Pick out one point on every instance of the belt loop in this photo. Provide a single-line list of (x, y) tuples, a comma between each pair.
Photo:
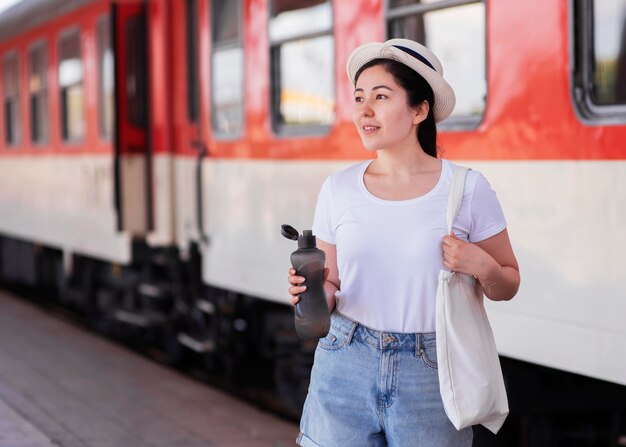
[(351, 333), (418, 344)]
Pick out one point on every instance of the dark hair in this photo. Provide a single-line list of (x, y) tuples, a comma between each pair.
[(418, 90)]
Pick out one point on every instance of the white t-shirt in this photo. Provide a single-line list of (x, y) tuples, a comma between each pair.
[(389, 253)]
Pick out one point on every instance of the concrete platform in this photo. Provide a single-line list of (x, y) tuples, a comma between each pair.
[(61, 385)]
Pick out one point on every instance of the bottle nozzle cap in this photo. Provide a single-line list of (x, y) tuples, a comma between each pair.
[(307, 239)]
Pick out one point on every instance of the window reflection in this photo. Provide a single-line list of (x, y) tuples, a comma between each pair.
[(226, 23), (307, 94), (302, 64), (106, 78), (227, 68), (308, 19), (227, 90), (609, 52), (191, 46), (10, 78), (136, 80), (38, 92), (457, 36), (71, 83)]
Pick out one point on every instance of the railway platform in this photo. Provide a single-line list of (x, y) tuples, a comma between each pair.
[(63, 386)]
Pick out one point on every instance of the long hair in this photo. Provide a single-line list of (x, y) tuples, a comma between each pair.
[(418, 90)]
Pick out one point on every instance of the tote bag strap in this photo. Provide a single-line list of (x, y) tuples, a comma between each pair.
[(455, 196)]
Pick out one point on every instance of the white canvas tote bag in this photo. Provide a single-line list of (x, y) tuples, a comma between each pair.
[(470, 377)]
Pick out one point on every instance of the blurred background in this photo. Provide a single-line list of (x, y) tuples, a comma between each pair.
[(151, 149)]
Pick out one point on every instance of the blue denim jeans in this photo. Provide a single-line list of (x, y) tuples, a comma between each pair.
[(372, 388)]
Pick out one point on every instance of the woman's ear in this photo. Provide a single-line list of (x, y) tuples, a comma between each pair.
[(421, 112)]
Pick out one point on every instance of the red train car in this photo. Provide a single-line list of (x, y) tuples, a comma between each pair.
[(150, 150)]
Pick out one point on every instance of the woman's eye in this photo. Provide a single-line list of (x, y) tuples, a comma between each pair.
[(381, 96), (358, 99)]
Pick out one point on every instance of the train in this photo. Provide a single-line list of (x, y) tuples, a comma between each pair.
[(151, 149)]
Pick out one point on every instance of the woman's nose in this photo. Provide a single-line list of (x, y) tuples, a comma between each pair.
[(366, 109)]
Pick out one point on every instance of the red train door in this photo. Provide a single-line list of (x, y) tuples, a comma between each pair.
[(133, 155)]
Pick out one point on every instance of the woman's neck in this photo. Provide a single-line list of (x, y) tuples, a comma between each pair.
[(403, 161)]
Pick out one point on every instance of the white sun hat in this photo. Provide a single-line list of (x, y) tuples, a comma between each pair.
[(415, 56)]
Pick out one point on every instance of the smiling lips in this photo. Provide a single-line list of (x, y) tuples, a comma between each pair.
[(368, 128)]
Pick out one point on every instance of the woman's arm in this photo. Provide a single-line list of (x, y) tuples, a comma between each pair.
[(331, 277), (491, 261)]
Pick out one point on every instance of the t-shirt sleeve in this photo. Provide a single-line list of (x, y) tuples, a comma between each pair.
[(323, 226), (487, 218)]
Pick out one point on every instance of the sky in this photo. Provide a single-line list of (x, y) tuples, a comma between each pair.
[(5, 4)]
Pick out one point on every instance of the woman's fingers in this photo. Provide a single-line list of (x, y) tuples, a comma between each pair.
[(295, 293), (296, 290), (295, 280), (296, 286), (451, 247)]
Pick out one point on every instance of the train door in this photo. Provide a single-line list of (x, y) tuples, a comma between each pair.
[(133, 155), (195, 132)]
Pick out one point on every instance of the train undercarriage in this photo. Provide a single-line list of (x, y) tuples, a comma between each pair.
[(159, 305)]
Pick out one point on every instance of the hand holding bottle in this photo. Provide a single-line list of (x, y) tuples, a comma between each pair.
[(311, 315), (297, 284)]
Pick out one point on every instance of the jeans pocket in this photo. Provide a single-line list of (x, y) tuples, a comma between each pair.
[(428, 354), (335, 339)]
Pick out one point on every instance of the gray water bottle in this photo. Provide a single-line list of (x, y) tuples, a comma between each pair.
[(311, 316)]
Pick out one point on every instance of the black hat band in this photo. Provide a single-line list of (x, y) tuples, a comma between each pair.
[(415, 54)]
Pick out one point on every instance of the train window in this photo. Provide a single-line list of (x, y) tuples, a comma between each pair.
[(71, 84), (302, 66), (38, 92), (136, 75), (600, 58), (106, 78), (193, 88), (455, 31), (10, 78), (227, 69)]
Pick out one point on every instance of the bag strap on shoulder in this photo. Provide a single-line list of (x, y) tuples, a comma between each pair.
[(455, 196)]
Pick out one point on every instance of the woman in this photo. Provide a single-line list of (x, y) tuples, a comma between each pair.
[(382, 225)]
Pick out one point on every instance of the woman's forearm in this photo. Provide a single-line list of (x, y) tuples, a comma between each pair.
[(330, 289), (503, 285)]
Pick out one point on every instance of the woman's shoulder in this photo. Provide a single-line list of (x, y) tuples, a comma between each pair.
[(472, 179), (353, 169), (348, 174)]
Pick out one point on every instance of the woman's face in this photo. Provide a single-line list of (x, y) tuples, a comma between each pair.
[(382, 115)]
